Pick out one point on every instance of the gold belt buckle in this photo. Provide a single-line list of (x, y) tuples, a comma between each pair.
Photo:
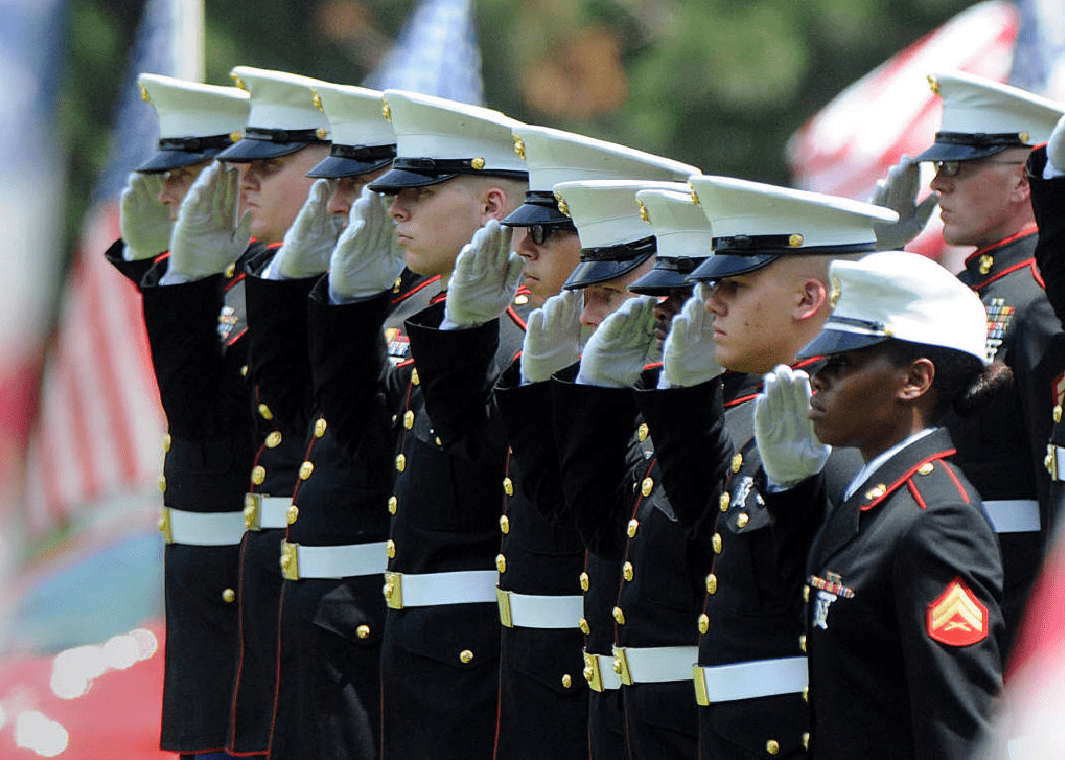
[(252, 506), (1052, 462), (394, 590), (621, 665), (591, 672), (164, 525), (290, 561), (702, 698), (503, 597)]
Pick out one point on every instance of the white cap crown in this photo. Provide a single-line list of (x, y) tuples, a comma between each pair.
[(606, 212), (280, 100), (191, 109), (680, 227), (355, 114)]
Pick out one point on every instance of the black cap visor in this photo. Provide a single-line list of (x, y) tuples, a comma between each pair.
[(540, 207), (729, 265), (603, 264), (423, 172), (833, 341), (250, 149), (961, 146), (669, 274), (353, 161), (167, 160)]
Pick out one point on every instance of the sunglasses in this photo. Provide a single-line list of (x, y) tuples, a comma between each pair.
[(541, 233), (953, 168)]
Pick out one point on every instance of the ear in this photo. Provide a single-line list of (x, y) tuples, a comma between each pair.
[(1020, 191), (494, 204), (810, 297), (918, 380)]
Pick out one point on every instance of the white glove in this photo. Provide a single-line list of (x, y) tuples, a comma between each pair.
[(689, 356), (207, 237), (367, 258), (786, 442), (485, 279), (144, 222), (1056, 150), (552, 337), (617, 352), (309, 242), (898, 192)]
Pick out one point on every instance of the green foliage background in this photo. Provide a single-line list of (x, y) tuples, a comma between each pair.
[(717, 83)]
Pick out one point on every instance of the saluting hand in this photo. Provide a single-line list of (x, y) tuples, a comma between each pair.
[(309, 242), (207, 237), (144, 222), (552, 337), (898, 192), (485, 279), (689, 355), (782, 426), (367, 258), (619, 348)]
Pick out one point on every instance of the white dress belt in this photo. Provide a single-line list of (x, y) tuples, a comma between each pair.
[(749, 680), (536, 611), (654, 664), (266, 511), (599, 672), (201, 528), (347, 561), (427, 589), (1013, 515)]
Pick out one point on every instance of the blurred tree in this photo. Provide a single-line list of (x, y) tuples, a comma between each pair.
[(717, 83)]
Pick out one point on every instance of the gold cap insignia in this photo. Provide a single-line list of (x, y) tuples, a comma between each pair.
[(695, 195), (385, 110), (519, 147), (317, 100), (643, 212), (562, 205), (238, 82), (144, 94), (933, 84), (833, 297)]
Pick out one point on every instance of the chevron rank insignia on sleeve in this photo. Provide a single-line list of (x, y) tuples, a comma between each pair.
[(957, 618)]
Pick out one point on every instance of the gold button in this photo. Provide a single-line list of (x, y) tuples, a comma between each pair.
[(743, 519), (393, 502), (521, 299), (508, 486), (244, 371), (306, 469), (805, 693), (1057, 413), (647, 486), (162, 483), (925, 469), (806, 740), (466, 656), (273, 440), (644, 431), (265, 413), (584, 581), (583, 625), (230, 271), (986, 262), (704, 623), (166, 441), (504, 524), (567, 681), (626, 570), (319, 427), (229, 595), (619, 616), (716, 540), (737, 462), (501, 563), (391, 546), (408, 419), (438, 441), (414, 379), (292, 514), (363, 632), (633, 525), (772, 747), (711, 584), (806, 593), (876, 492), (802, 642), (723, 502), (258, 474), (401, 462)]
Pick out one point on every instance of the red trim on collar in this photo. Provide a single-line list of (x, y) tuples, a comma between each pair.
[(801, 364), (916, 495), (1030, 229), (441, 296), (236, 337), (1037, 275), (1009, 270), (958, 485), (653, 365), (909, 474), (236, 278), (416, 289)]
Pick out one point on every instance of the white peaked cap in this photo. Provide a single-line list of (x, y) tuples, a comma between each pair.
[(355, 114), (680, 227), (191, 109), (280, 100), (755, 224), (606, 212), (982, 117), (895, 294)]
